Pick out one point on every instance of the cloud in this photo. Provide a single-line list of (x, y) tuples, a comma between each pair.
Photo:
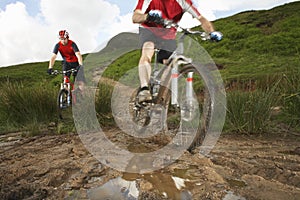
[(210, 9), (19, 35), (24, 38)]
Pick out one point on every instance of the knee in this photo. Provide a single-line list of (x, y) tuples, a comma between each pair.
[(147, 52)]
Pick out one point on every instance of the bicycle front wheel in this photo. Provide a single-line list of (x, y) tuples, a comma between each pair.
[(62, 102), (189, 119)]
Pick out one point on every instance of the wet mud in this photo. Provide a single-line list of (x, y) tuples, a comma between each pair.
[(239, 167)]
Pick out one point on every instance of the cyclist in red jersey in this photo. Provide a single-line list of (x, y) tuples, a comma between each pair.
[(149, 14), (71, 55)]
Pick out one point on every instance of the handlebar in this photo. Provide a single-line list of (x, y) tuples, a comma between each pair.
[(56, 72), (186, 31)]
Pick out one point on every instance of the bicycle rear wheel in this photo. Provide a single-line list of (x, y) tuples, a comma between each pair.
[(62, 102)]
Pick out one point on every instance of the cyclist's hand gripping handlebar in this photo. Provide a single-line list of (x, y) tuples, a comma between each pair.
[(49, 71), (216, 36), (155, 16), (213, 36)]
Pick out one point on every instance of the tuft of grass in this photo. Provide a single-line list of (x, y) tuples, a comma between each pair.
[(20, 106), (250, 112), (291, 100), (103, 103)]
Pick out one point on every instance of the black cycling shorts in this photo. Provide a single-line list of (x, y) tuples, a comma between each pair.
[(166, 47), (73, 65)]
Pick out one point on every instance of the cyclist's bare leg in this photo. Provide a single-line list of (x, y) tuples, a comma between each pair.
[(145, 63)]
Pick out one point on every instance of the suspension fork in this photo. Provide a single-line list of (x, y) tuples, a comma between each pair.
[(181, 60), (189, 86), (68, 86), (174, 85)]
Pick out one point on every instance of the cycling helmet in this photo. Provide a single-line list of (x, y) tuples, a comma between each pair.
[(63, 34)]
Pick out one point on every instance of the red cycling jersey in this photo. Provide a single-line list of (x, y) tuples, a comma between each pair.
[(67, 51), (171, 10)]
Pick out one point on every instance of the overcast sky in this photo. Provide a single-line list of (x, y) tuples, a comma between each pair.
[(29, 28)]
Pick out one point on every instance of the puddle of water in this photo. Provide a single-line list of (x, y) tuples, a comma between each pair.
[(184, 173), (117, 188), (231, 196), (125, 187)]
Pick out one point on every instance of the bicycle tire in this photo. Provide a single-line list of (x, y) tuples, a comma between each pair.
[(172, 118), (62, 102), (204, 100)]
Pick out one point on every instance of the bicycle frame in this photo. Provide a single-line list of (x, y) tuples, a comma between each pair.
[(68, 85), (170, 73), (65, 94)]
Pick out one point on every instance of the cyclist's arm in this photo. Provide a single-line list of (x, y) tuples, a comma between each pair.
[(206, 25), (52, 60), (79, 57), (77, 53), (138, 16), (53, 57), (188, 6)]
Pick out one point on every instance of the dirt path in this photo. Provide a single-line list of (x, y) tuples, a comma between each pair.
[(59, 167)]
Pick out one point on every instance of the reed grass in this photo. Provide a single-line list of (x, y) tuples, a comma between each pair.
[(250, 111), (20, 106)]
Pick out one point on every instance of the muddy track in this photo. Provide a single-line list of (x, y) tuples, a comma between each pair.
[(239, 167)]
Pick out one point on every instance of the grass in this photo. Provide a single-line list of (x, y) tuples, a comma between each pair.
[(249, 112), (20, 105), (291, 100)]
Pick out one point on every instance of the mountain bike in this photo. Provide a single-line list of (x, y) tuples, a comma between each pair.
[(183, 96), (66, 95)]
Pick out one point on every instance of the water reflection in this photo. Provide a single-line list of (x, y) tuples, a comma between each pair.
[(125, 187), (117, 188), (231, 196)]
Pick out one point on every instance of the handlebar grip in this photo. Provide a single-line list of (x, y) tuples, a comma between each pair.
[(55, 72)]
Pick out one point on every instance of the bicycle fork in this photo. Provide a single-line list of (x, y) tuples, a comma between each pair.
[(181, 60), (68, 86), (188, 104)]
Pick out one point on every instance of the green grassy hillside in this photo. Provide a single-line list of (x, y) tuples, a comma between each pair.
[(259, 42)]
